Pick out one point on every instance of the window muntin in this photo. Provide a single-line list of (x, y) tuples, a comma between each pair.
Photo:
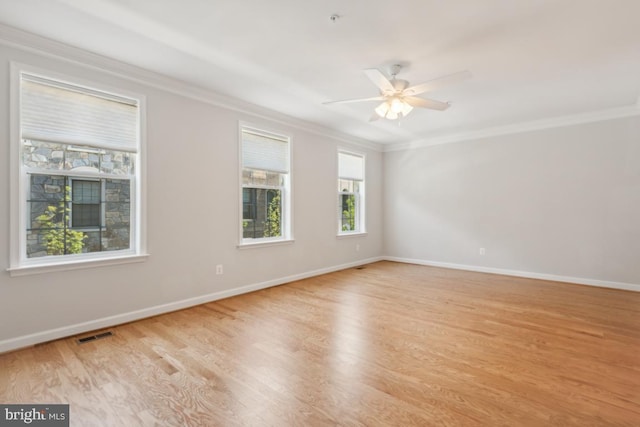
[(350, 193), (78, 155), (265, 186)]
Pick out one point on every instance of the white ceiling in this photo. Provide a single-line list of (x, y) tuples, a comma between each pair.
[(530, 59)]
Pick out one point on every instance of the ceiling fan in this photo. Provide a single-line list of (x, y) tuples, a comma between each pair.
[(399, 98)]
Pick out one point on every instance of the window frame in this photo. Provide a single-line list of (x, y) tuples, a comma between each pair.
[(19, 264), (360, 199), (286, 190)]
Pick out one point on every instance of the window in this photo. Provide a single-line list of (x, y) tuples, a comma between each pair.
[(350, 193), (79, 168), (265, 186), (86, 204)]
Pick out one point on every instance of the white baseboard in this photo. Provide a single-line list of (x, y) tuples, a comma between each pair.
[(518, 273), (110, 321), (106, 322)]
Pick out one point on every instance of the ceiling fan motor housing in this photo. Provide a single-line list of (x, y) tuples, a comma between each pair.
[(399, 85)]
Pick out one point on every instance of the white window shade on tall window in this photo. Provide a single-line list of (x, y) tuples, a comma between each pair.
[(266, 187), (56, 112), (350, 167), (264, 152)]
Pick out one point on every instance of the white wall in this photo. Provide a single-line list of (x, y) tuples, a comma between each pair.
[(561, 202), (193, 217)]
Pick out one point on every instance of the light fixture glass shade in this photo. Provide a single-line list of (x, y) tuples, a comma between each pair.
[(391, 115), (406, 108), (382, 109), (396, 105)]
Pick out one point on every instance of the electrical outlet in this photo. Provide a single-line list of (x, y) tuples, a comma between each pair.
[(482, 251), (219, 269), (358, 247)]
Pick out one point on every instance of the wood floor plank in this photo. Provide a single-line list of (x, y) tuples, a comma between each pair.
[(388, 345)]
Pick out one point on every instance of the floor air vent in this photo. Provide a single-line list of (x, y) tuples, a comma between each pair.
[(362, 267), (95, 337)]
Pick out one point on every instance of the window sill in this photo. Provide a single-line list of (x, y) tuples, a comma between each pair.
[(77, 264), (354, 234), (263, 244)]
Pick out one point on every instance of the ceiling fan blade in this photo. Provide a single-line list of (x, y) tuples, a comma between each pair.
[(374, 117), (380, 80), (431, 104), (438, 83), (346, 101)]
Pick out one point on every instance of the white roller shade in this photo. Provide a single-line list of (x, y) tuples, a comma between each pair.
[(350, 166), (57, 112), (264, 152)]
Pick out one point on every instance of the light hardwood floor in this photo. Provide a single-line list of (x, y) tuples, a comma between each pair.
[(388, 345)]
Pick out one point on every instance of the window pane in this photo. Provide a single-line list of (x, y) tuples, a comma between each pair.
[(249, 204), (59, 207), (348, 212), (117, 211), (57, 156), (258, 177), (261, 213), (348, 186), (47, 209)]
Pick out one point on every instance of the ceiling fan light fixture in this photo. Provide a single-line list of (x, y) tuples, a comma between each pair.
[(399, 98), (391, 115), (397, 105), (382, 109), (393, 108)]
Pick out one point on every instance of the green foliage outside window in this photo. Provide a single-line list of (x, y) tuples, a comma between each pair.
[(349, 214), (59, 238), (272, 228)]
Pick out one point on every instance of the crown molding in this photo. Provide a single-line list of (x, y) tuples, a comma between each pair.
[(554, 122), (42, 46)]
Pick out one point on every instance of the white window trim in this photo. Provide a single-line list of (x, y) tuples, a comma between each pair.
[(287, 192), (124, 257), (349, 234), (362, 229), (19, 264)]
